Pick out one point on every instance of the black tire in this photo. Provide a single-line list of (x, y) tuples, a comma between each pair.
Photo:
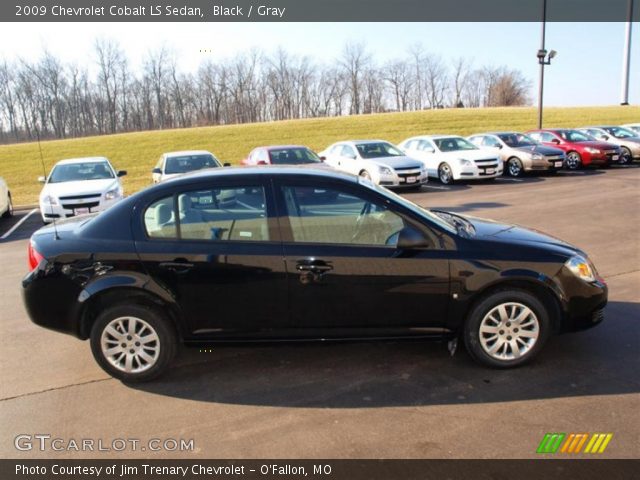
[(445, 174), (514, 167), (625, 156), (573, 161), (9, 212), (472, 335), (167, 341)]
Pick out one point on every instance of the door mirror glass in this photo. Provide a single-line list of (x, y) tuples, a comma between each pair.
[(556, 141), (156, 171), (122, 173), (410, 238)]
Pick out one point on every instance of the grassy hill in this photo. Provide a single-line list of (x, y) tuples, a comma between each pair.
[(137, 152)]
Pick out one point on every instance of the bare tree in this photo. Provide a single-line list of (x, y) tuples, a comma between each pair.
[(355, 60), (460, 79)]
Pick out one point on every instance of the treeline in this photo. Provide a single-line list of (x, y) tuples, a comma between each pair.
[(51, 99)]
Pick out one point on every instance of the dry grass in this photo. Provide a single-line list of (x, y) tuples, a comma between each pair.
[(137, 152)]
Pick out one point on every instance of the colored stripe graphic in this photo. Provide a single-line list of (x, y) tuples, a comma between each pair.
[(551, 442), (598, 442)]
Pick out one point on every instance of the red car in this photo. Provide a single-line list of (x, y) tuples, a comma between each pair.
[(582, 150), (282, 155)]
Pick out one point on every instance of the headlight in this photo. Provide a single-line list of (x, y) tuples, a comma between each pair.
[(536, 156), (581, 268), (112, 194), (385, 170), (464, 162), (592, 150), (49, 200)]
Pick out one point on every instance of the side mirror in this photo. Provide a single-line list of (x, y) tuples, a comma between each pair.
[(122, 173), (556, 141), (226, 164), (262, 162), (429, 150), (410, 238), (42, 179), (498, 146), (604, 137), (156, 171), (323, 158)]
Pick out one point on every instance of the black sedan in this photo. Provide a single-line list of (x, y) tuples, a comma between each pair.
[(284, 253)]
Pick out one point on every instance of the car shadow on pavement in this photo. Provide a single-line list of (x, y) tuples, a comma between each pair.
[(600, 361)]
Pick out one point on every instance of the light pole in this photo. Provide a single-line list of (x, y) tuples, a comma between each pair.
[(626, 62), (544, 58)]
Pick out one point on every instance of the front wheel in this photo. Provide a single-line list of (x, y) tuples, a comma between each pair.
[(514, 167), (573, 161), (445, 175), (506, 329), (133, 343), (625, 156)]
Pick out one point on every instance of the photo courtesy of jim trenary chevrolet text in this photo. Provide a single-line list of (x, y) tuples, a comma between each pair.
[(320, 239)]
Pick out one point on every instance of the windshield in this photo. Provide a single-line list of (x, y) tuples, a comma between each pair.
[(453, 144), (73, 172), (620, 132), (293, 156), (417, 209), (378, 150), (575, 136), (189, 163), (517, 140)]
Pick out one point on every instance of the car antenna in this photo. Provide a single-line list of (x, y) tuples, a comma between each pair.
[(44, 171)]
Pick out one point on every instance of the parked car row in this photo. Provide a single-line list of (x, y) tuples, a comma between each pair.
[(87, 185)]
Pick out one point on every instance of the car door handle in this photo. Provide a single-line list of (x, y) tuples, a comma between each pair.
[(177, 266), (314, 266)]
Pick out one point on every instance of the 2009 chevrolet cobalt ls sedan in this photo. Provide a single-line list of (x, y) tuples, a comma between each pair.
[(288, 253)]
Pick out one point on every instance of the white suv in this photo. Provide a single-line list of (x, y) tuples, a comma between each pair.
[(79, 186), (450, 158)]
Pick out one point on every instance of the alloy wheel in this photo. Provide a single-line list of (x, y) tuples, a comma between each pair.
[(515, 167), (509, 331), (130, 344), (625, 156), (573, 160), (444, 173)]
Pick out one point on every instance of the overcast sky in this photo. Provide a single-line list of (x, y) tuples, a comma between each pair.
[(587, 70)]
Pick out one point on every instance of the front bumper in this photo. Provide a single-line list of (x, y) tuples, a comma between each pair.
[(555, 162), (404, 179), (477, 171), (583, 304), (72, 208)]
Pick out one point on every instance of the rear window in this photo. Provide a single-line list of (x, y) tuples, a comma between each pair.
[(235, 214)]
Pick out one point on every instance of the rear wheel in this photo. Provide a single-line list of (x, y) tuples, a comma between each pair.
[(445, 175), (9, 212), (514, 167), (506, 329), (133, 343), (573, 161)]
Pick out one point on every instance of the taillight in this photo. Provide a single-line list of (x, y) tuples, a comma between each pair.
[(34, 257)]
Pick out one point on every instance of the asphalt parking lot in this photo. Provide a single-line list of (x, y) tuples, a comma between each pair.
[(357, 400)]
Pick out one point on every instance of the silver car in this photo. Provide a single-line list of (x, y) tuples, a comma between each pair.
[(519, 152), (626, 139), (634, 127)]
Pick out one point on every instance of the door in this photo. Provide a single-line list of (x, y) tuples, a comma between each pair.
[(344, 270), (215, 248)]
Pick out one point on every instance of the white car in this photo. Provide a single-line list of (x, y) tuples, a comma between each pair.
[(376, 160), (79, 186), (172, 164), (6, 205), (450, 158)]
